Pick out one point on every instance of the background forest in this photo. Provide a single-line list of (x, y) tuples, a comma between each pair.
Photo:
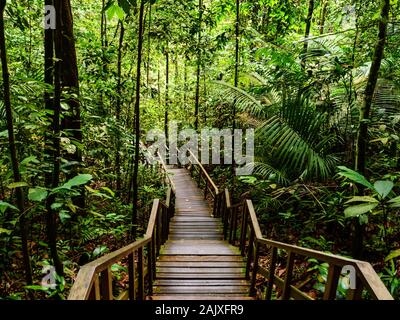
[(318, 80)]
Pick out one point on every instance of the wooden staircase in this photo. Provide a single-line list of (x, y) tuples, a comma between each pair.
[(193, 252), (195, 262)]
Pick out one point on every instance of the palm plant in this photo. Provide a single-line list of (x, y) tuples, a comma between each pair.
[(292, 138)]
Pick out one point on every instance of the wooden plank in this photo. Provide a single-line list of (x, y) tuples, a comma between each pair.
[(235, 275), (332, 282), (200, 259), (288, 276), (226, 297), (199, 270), (106, 285), (201, 289), (203, 282)]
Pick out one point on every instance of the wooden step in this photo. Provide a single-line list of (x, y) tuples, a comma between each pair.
[(226, 297), (243, 290)]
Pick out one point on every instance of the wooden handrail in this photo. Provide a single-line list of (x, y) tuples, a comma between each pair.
[(365, 276), (204, 172), (241, 218), (94, 280)]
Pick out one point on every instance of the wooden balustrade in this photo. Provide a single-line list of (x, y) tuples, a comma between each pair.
[(241, 228), (95, 279)]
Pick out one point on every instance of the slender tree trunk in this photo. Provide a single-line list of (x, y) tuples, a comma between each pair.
[(236, 84), (137, 121), (12, 148), (70, 85), (118, 107), (149, 50), (365, 113), (324, 11), (197, 98), (166, 94), (185, 85), (307, 31), (49, 80), (56, 153)]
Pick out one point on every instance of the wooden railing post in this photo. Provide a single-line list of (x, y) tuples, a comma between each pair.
[(106, 284), (271, 275), (150, 267), (159, 230), (95, 292), (288, 276), (154, 253), (332, 282), (234, 224), (243, 229), (131, 276), (249, 253), (255, 270), (141, 294)]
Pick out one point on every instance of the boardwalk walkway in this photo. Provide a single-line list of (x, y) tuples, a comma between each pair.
[(195, 262)]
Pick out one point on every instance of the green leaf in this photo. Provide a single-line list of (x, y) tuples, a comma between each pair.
[(120, 13), (36, 288), (395, 202), (355, 176), (4, 134), (112, 193), (64, 215), (17, 185), (78, 180), (355, 211), (28, 160), (394, 254), (363, 199), (99, 250), (56, 205), (383, 187), (5, 205), (115, 10), (6, 231), (37, 194)]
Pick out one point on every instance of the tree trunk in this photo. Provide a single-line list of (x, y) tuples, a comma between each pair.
[(118, 107), (13, 152), (324, 11), (236, 84), (149, 50), (365, 112), (56, 153), (70, 86), (307, 31), (197, 98), (137, 122), (166, 94), (185, 84)]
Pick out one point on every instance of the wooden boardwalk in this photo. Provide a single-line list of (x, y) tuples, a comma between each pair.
[(195, 262)]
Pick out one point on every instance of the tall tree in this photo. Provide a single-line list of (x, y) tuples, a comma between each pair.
[(118, 105), (52, 77), (197, 97), (70, 88), (308, 30), (137, 120), (365, 111), (12, 148), (166, 92)]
